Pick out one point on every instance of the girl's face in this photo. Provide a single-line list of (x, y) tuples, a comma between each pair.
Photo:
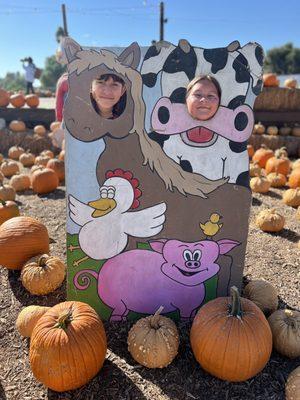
[(203, 100), (107, 93)]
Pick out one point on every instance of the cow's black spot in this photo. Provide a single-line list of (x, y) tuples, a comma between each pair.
[(237, 147), (241, 121), (149, 79), (151, 52), (179, 61), (236, 102), (186, 165), (243, 179), (257, 88), (240, 65), (160, 139), (217, 58), (163, 114), (259, 54), (178, 95)]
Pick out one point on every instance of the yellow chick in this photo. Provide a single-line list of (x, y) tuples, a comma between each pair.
[(211, 227)]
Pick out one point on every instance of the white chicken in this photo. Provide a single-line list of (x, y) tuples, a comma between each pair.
[(106, 222)]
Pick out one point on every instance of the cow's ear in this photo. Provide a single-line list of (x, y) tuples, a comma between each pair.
[(225, 245), (70, 48), (131, 56), (158, 245)]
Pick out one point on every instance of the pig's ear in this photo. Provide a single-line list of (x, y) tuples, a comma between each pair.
[(158, 245), (225, 245)]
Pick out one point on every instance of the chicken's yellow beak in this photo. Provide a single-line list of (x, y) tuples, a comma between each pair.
[(102, 206)]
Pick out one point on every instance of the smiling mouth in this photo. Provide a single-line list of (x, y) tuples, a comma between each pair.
[(199, 137), (187, 273)]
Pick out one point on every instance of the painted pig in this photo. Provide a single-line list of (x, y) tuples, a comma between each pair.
[(171, 276)]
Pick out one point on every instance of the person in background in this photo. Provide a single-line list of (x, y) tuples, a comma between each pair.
[(62, 88), (29, 74)]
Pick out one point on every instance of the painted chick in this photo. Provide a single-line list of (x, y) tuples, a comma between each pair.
[(211, 227)]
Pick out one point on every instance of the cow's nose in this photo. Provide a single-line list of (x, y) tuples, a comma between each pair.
[(192, 264)]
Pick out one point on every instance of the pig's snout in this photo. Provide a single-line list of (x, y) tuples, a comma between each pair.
[(192, 264)]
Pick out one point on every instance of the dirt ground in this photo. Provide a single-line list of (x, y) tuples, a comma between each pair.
[(274, 257)]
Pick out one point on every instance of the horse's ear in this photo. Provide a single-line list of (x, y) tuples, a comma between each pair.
[(131, 55), (70, 48)]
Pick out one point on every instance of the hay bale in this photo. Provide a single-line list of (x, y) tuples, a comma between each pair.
[(292, 143), (277, 98)]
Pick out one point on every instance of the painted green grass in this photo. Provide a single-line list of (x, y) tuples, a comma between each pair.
[(90, 295)]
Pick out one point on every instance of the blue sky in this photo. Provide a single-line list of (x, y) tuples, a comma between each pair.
[(27, 28)]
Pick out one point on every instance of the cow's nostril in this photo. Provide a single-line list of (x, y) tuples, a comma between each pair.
[(163, 114), (241, 121)]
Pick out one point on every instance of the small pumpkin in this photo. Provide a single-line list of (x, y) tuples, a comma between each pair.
[(291, 197), (285, 327), (71, 334), (254, 169), (27, 159), (47, 153), (17, 126), (44, 181), (7, 192), (292, 387), (270, 221), (296, 130), (14, 152), (41, 160), (4, 98), (36, 168), (270, 80), (61, 155), (32, 100), (290, 83), (55, 125), (28, 318), (296, 164), (259, 128), (9, 168), (276, 180), (40, 130), (43, 274), (240, 328), (250, 150), (263, 294), (8, 209), (153, 341), (294, 179), (17, 100), (22, 238), (272, 130), (285, 130), (58, 166), (262, 155), (260, 184), (20, 182)]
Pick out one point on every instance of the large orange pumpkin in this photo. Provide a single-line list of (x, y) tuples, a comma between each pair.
[(231, 338), (4, 98), (32, 100), (294, 179), (270, 80), (17, 100), (262, 155), (278, 164), (68, 346), (22, 238), (44, 181)]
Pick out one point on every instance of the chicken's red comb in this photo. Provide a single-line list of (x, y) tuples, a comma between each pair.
[(120, 173)]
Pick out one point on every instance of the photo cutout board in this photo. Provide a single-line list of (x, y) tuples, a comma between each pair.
[(157, 200)]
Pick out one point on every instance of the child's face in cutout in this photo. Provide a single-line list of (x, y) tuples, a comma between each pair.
[(203, 100), (107, 93)]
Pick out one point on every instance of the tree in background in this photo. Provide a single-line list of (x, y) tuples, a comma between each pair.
[(13, 81), (283, 60), (52, 71)]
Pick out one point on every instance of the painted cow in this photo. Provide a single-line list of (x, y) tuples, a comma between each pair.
[(171, 276), (217, 147)]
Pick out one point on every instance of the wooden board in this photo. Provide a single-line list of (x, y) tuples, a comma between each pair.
[(31, 116)]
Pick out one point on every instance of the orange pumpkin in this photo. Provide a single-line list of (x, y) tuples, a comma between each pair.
[(262, 155), (270, 80), (278, 164), (17, 100), (17, 126), (55, 125), (9, 168), (244, 338), (20, 182), (294, 179), (58, 166), (68, 346), (40, 130), (22, 238), (7, 192), (8, 209), (61, 155), (4, 98), (27, 159), (32, 100), (41, 160), (44, 181), (14, 152), (276, 180), (47, 153), (291, 83)]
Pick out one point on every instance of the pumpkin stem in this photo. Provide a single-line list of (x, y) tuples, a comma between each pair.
[(290, 318), (155, 318), (3, 202), (235, 306), (43, 261), (64, 319)]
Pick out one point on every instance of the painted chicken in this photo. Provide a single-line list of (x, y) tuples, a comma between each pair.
[(211, 228), (107, 222)]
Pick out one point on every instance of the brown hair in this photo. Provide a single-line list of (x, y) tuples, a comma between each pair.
[(199, 78)]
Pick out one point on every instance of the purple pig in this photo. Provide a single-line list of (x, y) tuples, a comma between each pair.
[(171, 276)]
